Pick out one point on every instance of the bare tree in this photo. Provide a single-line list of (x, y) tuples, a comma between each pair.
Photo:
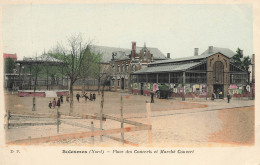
[(73, 55), (36, 69), (101, 73)]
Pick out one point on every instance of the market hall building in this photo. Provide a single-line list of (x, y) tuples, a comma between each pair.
[(196, 76)]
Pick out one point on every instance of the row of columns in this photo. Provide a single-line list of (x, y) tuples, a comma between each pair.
[(157, 78)]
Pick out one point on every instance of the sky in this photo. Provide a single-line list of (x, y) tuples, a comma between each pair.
[(28, 30)]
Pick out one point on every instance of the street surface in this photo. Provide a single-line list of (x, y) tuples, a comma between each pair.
[(174, 122)]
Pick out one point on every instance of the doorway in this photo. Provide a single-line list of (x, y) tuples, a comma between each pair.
[(122, 83), (219, 91), (142, 88)]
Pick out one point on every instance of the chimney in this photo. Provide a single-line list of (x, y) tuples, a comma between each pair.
[(168, 55), (253, 59), (196, 51), (133, 49), (152, 57), (210, 49)]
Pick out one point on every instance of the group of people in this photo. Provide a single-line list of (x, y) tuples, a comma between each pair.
[(54, 103), (213, 96), (92, 97)]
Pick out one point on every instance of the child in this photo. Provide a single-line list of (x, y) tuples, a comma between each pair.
[(94, 96), (54, 103), (50, 104)]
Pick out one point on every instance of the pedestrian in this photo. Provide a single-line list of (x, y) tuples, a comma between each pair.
[(86, 96), (213, 96), (152, 95), (61, 99), (228, 97), (94, 96), (91, 97), (54, 103), (58, 103), (78, 96), (50, 104), (220, 95)]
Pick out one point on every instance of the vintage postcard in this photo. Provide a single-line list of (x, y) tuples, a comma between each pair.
[(119, 82)]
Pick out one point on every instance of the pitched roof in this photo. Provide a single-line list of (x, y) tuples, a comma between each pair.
[(225, 51), (157, 54), (13, 56), (107, 51), (122, 53), (167, 68)]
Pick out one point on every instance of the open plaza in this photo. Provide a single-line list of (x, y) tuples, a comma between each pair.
[(197, 122)]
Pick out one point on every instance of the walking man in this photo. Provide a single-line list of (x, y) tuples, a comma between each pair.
[(94, 96), (58, 103), (86, 97), (213, 96), (91, 97), (152, 95), (61, 99), (50, 104), (78, 96), (228, 97)]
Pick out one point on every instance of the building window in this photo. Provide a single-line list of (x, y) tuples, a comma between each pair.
[(126, 68), (196, 78), (113, 69), (177, 77), (126, 83), (118, 68), (219, 72), (112, 82), (118, 82), (238, 78), (141, 78), (134, 78), (123, 68), (133, 68), (152, 78), (163, 78)]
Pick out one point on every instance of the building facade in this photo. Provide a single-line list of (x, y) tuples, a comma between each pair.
[(196, 76), (124, 63)]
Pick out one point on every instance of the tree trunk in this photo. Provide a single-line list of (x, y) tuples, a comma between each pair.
[(99, 86), (34, 89), (71, 98), (84, 86)]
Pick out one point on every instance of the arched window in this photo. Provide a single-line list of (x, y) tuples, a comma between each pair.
[(219, 72), (133, 68)]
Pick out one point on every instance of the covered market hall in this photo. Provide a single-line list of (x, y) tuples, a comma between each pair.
[(195, 76)]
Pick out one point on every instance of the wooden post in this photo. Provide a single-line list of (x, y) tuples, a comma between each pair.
[(92, 129), (7, 120), (184, 81), (122, 119), (148, 110), (101, 112)]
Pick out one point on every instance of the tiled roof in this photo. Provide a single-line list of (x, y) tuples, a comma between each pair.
[(225, 51), (167, 68), (13, 56), (122, 53), (107, 51), (157, 54)]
